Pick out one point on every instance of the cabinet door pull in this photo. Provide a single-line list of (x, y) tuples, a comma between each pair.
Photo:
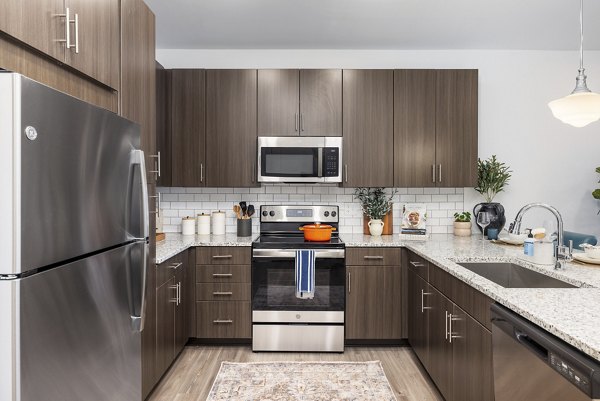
[(222, 275), (76, 33), (349, 282), (423, 307), (433, 173), (301, 121), (176, 299), (201, 172), (368, 257), (223, 321), (417, 264), (174, 266), (157, 157), (346, 171), (440, 173), (222, 256), (179, 293), (296, 121), (222, 293), (446, 323), (452, 318)]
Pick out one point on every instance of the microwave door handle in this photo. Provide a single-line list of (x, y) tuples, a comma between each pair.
[(319, 162)]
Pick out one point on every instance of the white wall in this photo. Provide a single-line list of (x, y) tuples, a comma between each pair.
[(552, 162)]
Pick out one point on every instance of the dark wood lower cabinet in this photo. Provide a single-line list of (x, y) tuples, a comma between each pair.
[(440, 347), (418, 317), (373, 303), (472, 366), (453, 346), (219, 319), (165, 326)]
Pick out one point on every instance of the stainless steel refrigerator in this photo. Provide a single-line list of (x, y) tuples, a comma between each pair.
[(73, 248)]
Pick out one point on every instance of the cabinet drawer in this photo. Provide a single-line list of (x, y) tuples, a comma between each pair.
[(373, 256), (167, 269), (227, 319), (222, 255), (418, 265), (223, 274), (223, 292)]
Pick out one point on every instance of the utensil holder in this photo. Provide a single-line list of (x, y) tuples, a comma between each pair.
[(244, 227)]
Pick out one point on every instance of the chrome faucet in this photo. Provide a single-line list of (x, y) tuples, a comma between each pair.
[(562, 253)]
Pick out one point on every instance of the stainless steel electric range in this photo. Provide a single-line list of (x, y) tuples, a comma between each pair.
[(280, 321)]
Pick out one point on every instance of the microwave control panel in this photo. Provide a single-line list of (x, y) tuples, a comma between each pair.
[(331, 162)]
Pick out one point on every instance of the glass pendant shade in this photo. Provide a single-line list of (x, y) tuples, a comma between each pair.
[(577, 109)]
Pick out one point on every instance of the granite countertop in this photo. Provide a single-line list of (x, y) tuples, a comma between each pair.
[(572, 314), (175, 243)]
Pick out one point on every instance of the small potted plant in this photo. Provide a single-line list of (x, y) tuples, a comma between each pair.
[(492, 177), (375, 204), (462, 224)]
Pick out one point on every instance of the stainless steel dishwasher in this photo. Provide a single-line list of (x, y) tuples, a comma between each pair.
[(531, 364)]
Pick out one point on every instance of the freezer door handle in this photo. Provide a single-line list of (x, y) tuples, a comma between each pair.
[(138, 159), (136, 274)]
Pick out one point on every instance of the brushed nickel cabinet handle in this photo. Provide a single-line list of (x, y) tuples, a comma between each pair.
[(222, 275), (452, 318), (296, 121), (346, 171), (417, 264), (176, 299), (433, 173), (67, 17), (76, 33), (223, 321), (222, 293), (301, 121), (222, 256), (440, 173), (349, 282), (368, 257), (423, 307), (157, 157), (174, 266), (446, 323), (201, 172)]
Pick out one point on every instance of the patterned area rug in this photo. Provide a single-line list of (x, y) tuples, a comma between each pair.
[(301, 381)]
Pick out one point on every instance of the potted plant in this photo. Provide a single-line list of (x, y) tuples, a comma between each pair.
[(492, 177), (596, 192), (462, 224), (375, 204)]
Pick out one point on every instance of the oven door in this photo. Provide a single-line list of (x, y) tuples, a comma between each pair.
[(274, 288)]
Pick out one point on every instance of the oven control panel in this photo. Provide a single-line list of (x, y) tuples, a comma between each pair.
[(299, 214)]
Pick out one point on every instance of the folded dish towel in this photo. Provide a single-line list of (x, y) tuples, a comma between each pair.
[(305, 274)]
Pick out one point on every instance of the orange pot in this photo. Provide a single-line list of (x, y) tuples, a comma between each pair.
[(317, 232)]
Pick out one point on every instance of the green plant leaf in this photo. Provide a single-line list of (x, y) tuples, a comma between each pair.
[(492, 177)]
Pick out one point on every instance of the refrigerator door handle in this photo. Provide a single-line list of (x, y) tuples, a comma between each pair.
[(139, 159), (137, 287)]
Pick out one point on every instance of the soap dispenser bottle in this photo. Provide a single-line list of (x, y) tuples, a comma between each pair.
[(528, 243)]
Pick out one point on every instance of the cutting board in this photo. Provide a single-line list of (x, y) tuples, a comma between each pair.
[(160, 237), (388, 224)]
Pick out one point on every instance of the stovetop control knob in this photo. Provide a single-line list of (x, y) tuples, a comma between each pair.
[(333, 214), (265, 213), (272, 213), (326, 214)]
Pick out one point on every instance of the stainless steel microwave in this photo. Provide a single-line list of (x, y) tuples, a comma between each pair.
[(299, 159)]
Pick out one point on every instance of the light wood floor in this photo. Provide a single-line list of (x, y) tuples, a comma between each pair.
[(191, 376)]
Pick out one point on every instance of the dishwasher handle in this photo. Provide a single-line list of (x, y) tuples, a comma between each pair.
[(531, 344)]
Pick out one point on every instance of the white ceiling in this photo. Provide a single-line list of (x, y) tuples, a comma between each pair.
[(374, 24)]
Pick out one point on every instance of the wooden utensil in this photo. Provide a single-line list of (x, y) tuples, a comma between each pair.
[(237, 209), (244, 208)]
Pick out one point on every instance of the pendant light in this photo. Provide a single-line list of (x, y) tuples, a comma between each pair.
[(582, 106)]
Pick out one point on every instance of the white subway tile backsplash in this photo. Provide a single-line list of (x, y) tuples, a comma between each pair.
[(441, 203)]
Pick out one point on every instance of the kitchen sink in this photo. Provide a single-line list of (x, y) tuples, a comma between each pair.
[(510, 275)]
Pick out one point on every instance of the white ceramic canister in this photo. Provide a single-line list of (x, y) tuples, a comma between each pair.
[(188, 226), (218, 223), (203, 224)]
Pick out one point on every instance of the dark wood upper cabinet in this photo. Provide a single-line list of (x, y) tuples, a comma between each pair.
[(98, 36), (231, 124), (456, 127), (299, 102), (188, 134), (320, 102), (278, 109), (368, 111), (163, 124), (414, 128)]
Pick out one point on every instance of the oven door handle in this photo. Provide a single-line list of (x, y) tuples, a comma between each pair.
[(291, 253)]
